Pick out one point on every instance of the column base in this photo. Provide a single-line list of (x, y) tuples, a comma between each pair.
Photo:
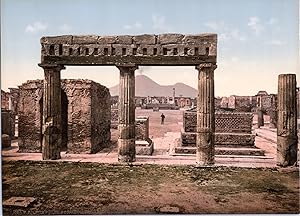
[(51, 143), (287, 151), (126, 150), (205, 152)]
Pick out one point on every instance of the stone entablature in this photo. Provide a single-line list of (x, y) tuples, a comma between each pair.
[(147, 49), (85, 116)]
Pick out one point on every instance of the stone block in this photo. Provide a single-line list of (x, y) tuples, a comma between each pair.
[(225, 139), (144, 39), (170, 38), (6, 141), (142, 128), (107, 40), (124, 39), (19, 201), (120, 48), (223, 151), (144, 147), (149, 50), (204, 39), (64, 39), (85, 39)]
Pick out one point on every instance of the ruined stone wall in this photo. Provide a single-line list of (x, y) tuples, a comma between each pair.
[(78, 109), (114, 118), (142, 128), (4, 100), (14, 93), (7, 123), (101, 117), (29, 111), (298, 103), (238, 103), (79, 115)]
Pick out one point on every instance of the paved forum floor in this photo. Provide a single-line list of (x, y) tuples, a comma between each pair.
[(164, 137)]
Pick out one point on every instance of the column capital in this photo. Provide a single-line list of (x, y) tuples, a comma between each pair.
[(129, 67), (206, 65), (52, 66)]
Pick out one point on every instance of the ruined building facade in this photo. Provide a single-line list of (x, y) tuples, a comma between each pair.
[(85, 114)]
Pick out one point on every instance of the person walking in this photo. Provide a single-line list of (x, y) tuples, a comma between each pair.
[(162, 118)]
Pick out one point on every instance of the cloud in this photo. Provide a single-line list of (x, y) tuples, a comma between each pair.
[(36, 27), (136, 25), (276, 42), (255, 24), (225, 32), (65, 28), (159, 23), (272, 21)]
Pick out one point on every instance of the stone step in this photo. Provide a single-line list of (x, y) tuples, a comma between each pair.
[(223, 151), (239, 139)]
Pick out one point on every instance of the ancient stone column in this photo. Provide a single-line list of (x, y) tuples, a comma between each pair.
[(52, 136), (205, 115), (126, 141), (287, 142), (260, 117)]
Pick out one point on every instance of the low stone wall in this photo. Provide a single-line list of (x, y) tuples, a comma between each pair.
[(231, 129), (225, 122), (228, 139), (85, 116)]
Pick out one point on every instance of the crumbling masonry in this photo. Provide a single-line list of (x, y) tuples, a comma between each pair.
[(84, 117)]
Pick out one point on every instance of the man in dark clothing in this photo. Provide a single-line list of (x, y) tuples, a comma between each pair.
[(162, 118)]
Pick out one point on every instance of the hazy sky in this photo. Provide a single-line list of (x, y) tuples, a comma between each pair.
[(257, 39)]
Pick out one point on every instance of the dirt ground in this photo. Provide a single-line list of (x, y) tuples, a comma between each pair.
[(93, 188)]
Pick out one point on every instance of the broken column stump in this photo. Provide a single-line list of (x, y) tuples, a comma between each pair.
[(287, 142)]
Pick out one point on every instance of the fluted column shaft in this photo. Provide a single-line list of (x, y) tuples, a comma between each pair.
[(51, 142), (126, 141), (287, 142), (205, 141)]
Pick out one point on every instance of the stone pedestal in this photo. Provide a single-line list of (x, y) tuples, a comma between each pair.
[(205, 141), (287, 142), (52, 135), (126, 127), (6, 141)]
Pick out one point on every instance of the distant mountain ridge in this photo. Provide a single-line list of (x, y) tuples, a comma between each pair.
[(144, 86)]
